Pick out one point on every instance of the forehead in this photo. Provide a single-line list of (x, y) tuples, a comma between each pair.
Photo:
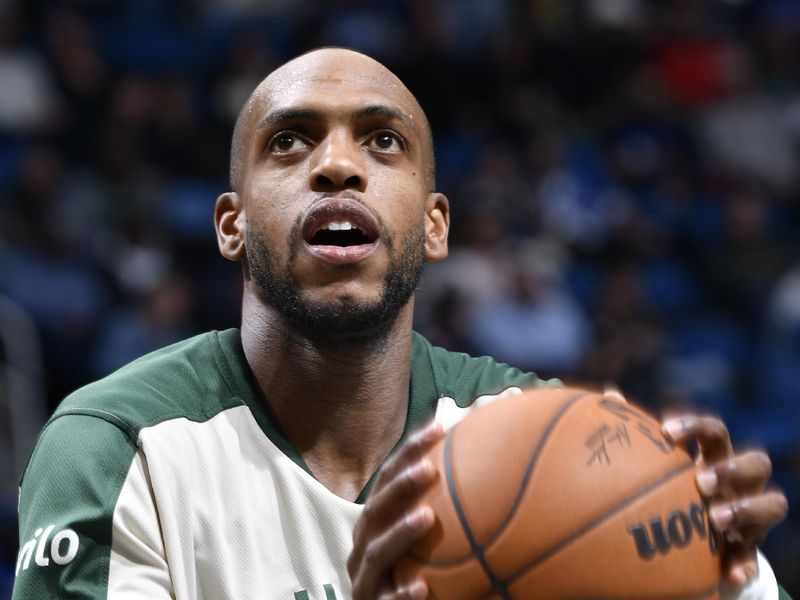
[(333, 80)]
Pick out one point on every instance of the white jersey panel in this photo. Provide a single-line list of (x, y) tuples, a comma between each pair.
[(137, 565), (238, 518), (448, 413)]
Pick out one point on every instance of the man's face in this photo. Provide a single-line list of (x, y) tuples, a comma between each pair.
[(335, 186)]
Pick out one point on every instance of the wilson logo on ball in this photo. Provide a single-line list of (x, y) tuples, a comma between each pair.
[(676, 530)]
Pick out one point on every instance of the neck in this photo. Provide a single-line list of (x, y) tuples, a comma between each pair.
[(343, 408)]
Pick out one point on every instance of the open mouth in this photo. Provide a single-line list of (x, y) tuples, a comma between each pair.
[(340, 233)]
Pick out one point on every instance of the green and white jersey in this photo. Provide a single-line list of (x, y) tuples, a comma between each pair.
[(169, 479)]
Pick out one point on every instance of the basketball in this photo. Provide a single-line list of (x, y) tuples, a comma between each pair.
[(564, 494)]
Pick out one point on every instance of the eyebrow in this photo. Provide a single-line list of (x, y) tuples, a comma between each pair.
[(310, 114), (382, 110)]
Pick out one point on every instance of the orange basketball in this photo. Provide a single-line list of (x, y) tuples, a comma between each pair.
[(564, 494)]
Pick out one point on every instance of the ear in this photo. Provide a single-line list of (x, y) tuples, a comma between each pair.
[(229, 221), (437, 225)]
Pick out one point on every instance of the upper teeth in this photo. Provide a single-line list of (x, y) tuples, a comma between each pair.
[(339, 226)]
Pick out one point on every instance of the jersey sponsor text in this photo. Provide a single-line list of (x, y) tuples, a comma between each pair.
[(63, 548)]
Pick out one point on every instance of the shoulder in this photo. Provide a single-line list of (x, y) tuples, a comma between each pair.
[(464, 378), (189, 379), (83, 457)]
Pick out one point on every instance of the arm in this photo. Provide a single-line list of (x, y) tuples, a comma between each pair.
[(88, 523), (741, 506)]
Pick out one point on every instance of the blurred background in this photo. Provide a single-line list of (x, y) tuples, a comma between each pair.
[(624, 178)]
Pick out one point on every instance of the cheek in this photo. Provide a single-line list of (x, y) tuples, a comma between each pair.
[(402, 201), (270, 207), (280, 189), (265, 230), (409, 216)]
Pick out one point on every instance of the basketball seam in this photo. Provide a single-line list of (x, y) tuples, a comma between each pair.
[(532, 463), (698, 596), (704, 593), (597, 521), (570, 402), (500, 585), (477, 550)]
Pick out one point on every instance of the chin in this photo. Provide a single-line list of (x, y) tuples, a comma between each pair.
[(344, 295)]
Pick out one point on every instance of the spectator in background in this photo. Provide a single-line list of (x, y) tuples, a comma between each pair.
[(668, 129), (162, 317), (536, 323), (27, 99), (749, 253), (780, 366)]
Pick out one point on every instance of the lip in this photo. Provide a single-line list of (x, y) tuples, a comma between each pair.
[(341, 209)]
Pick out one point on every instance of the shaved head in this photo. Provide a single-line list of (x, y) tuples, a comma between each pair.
[(329, 139), (307, 67)]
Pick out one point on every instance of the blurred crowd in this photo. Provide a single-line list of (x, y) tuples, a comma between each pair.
[(624, 178)]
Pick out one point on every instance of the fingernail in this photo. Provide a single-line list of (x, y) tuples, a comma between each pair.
[(425, 470), (612, 393), (738, 576), (420, 472), (415, 590), (431, 432), (673, 428), (721, 516), (419, 518), (707, 482)]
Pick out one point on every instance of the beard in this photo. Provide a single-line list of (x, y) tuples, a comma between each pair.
[(336, 322)]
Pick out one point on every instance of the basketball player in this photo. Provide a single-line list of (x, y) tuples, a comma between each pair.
[(236, 464)]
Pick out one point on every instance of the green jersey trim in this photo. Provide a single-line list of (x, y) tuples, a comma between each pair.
[(422, 397), (186, 430), (109, 417), (68, 511), (245, 387), (213, 365), (435, 373)]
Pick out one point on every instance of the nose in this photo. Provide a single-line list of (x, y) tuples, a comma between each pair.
[(341, 165)]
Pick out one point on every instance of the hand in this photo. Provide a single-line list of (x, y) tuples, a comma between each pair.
[(392, 521), (741, 508)]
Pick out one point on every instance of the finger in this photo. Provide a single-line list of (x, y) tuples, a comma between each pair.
[(752, 514), (612, 392), (711, 434), (416, 590), (394, 497), (744, 474), (412, 450), (368, 570), (741, 567)]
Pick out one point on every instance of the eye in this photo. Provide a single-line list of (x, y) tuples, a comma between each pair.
[(287, 142), (385, 141)]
